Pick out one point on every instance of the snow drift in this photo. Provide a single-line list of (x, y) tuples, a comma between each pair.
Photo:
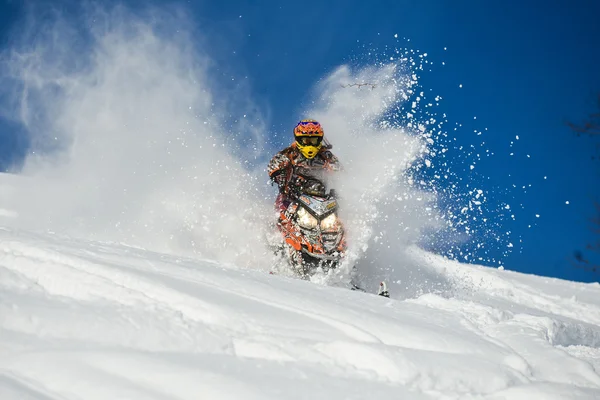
[(129, 268), (92, 320)]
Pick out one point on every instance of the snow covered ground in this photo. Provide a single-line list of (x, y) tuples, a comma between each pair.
[(136, 146), (92, 320)]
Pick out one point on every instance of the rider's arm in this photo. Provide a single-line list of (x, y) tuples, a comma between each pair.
[(331, 162), (278, 170)]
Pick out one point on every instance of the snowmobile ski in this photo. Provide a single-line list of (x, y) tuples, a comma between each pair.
[(383, 290)]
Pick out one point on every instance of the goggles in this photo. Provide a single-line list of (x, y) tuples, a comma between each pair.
[(309, 141)]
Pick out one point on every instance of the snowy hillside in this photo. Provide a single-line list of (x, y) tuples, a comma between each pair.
[(133, 262), (90, 320)]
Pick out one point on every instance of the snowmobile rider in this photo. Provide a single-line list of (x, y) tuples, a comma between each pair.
[(307, 157)]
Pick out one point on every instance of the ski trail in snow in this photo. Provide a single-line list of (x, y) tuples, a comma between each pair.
[(97, 320), (11, 387), (488, 284), (69, 277), (86, 280), (350, 330)]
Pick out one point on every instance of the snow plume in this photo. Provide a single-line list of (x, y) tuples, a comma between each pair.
[(384, 210), (408, 181), (127, 136)]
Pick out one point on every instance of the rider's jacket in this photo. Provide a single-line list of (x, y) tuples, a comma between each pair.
[(287, 166)]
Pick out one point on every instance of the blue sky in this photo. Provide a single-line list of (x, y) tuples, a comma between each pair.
[(509, 69)]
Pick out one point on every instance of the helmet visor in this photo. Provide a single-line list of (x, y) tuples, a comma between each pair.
[(309, 141)]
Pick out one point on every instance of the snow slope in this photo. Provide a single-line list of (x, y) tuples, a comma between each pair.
[(137, 145), (91, 320)]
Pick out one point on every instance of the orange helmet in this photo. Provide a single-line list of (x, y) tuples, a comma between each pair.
[(309, 137)]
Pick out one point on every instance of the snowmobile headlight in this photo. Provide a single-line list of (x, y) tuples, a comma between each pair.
[(306, 220), (329, 223)]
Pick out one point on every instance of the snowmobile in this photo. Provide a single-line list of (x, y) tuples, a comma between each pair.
[(313, 235)]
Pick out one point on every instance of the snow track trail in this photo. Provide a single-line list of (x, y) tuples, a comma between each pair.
[(88, 320)]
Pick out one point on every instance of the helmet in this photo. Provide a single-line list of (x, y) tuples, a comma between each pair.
[(309, 137)]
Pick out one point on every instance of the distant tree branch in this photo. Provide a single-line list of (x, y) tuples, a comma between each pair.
[(581, 260), (591, 126), (359, 85), (584, 264), (595, 221)]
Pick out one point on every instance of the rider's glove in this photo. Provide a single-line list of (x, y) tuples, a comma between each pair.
[(279, 178)]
